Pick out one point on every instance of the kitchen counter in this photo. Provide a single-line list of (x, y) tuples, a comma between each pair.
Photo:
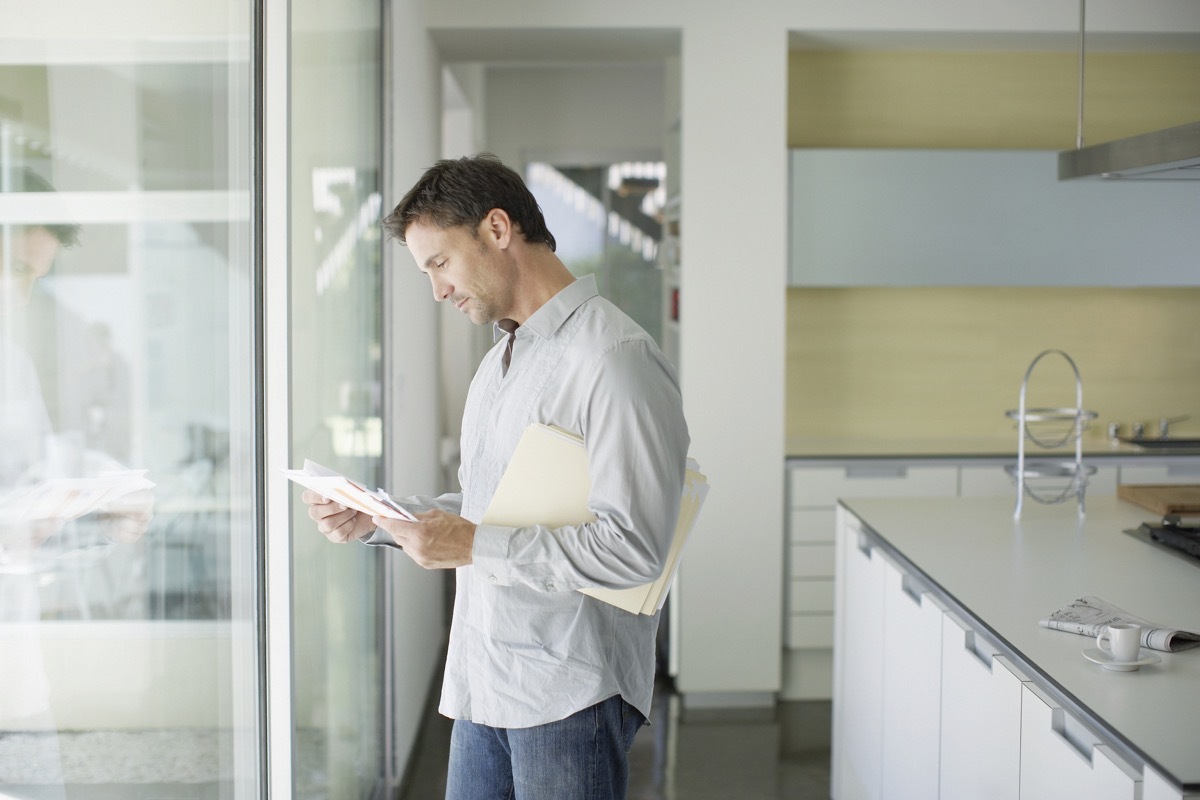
[(958, 447), (1006, 574)]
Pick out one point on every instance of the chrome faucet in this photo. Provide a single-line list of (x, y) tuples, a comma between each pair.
[(1164, 425)]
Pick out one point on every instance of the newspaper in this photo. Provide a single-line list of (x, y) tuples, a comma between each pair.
[(1090, 616)]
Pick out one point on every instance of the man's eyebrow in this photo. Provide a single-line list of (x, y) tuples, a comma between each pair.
[(429, 262)]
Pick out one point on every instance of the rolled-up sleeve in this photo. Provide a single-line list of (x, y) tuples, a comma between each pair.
[(637, 443), (417, 504)]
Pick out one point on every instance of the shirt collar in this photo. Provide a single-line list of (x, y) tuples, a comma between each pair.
[(546, 321)]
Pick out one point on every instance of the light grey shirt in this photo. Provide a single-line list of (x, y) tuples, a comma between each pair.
[(525, 647)]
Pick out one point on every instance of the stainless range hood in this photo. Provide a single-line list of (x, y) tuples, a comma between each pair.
[(1170, 154)]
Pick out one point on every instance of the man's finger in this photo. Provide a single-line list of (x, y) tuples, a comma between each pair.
[(314, 498)]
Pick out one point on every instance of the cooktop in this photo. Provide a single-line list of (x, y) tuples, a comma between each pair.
[(1173, 535)]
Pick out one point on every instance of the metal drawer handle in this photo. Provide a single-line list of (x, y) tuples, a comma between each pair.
[(864, 472)]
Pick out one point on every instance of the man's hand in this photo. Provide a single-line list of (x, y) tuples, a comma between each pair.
[(437, 540), (125, 519), (336, 522)]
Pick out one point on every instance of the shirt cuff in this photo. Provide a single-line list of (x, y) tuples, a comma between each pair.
[(489, 554), (380, 536)]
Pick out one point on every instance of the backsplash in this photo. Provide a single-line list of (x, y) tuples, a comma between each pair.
[(897, 363)]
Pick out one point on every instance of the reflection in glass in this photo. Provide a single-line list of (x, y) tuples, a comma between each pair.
[(608, 222), (336, 409), (127, 543)]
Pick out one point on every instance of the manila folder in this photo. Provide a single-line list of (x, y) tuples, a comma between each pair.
[(547, 483)]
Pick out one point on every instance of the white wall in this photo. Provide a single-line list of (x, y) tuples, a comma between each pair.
[(593, 112), (734, 241)]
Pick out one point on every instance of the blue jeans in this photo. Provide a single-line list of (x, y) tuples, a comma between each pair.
[(582, 757)]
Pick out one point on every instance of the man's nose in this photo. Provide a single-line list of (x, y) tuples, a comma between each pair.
[(441, 289)]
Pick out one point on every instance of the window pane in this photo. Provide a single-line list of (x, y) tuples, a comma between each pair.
[(336, 391), (607, 220), (127, 538)]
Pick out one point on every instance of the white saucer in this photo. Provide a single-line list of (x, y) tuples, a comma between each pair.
[(1106, 660)]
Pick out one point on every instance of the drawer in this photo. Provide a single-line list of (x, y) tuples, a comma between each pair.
[(1162, 473), (822, 486), (811, 561), (1063, 758), (980, 717), (812, 525), (810, 595), (994, 481), (991, 481), (809, 631)]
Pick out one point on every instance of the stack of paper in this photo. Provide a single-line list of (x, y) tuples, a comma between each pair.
[(69, 498), (547, 483), (340, 489)]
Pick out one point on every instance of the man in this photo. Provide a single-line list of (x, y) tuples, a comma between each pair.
[(547, 686)]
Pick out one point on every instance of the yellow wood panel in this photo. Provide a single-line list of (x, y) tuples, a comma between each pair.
[(941, 362), (990, 100)]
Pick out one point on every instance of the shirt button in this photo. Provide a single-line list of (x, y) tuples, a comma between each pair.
[(549, 587), (493, 578)]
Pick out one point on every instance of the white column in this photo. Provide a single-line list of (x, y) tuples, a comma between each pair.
[(733, 272)]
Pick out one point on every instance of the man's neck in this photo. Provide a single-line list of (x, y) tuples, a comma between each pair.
[(542, 275)]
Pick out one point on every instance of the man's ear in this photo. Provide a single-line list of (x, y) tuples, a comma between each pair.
[(497, 227)]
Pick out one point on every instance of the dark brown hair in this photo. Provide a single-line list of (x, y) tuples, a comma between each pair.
[(462, 191), (26, 180)]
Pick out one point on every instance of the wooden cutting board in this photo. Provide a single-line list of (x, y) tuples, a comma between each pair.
[(1163, 499)]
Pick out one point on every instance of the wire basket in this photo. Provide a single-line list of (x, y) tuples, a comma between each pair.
[(1051, 428)]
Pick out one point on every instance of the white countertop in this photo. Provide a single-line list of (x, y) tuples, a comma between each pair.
[(834, 447), (1008, 574)]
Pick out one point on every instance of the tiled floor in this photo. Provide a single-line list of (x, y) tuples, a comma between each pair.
[(697, 756)]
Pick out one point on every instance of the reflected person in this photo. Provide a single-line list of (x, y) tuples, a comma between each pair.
[(31, 457)]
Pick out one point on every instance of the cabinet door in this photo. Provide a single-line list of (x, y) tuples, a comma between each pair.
[(858, 664), (994, 481), (981, 718), (822, 486), (1062, 759), (912, 683), (1156, 787), (921, 231), (1162, 473)]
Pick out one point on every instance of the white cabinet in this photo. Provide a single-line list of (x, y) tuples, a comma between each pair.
[(1063, 759), (1161, 473), (912, 684), (994, 481), (858, 685), (980, 718), (910, 217), (1156, 787), (813, 492), (887, 691)]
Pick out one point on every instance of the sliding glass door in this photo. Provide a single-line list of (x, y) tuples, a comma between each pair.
[(336, 371), (129, 550), (154, 617)]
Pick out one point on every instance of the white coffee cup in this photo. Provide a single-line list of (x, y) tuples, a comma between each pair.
[(1124, 641)]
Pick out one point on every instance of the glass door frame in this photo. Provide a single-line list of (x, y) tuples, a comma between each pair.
[(273, 349)]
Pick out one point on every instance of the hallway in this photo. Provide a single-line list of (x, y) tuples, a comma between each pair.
[(710, 755)]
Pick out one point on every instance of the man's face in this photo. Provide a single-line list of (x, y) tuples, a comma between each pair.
[(467, 270), (25, 255)]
